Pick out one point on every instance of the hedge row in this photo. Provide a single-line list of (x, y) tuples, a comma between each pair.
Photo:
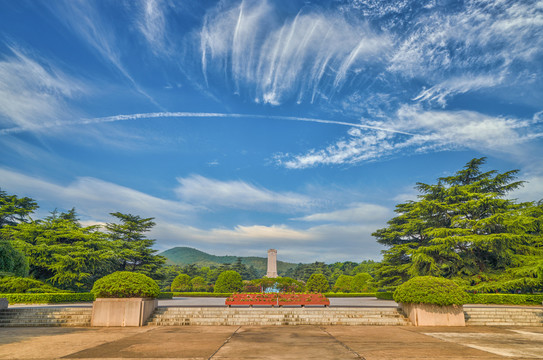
[(347, 295), (52, 298), (506, 299), (200, 294), (165, 295), (56, 298), (384, 295)]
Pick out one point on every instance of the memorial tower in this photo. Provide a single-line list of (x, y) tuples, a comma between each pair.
[(272, 263)]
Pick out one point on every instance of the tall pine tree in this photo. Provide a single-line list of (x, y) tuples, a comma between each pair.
[(464, 228)]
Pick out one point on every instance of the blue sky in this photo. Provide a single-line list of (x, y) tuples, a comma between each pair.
[(247, 125)]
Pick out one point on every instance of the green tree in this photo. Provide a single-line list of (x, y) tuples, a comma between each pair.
[(133, 249), (317, 283), (228, 281), (199, 284), (14, 210), (460, 228), (61, 251), (343, 284), (181, 283), (12, 261), (362, 282)]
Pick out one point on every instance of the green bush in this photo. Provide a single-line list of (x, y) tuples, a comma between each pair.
[(384, 295), (346, 295), (200, 294), (181, 283), (12, 261), (343, 284), (125, 284), (55, 298), (198, 284), (19, 285), (506, 299), (362, 282), (431, 290), (317, 283), (228, 281)]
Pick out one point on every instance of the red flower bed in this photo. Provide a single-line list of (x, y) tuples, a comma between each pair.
[(277, 299), (303, 299)]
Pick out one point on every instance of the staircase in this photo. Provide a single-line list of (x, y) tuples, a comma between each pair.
[(501, 316), (177, 316), (57, 316)]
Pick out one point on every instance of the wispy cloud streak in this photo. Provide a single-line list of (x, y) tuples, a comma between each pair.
[(196, 115), (273, 61)]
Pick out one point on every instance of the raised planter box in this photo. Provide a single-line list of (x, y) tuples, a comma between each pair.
[(434, 315), (277, 299), (252, 299), (122, 312), (303, 299)]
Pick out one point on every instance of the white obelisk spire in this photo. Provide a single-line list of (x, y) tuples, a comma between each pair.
[(272, 263)]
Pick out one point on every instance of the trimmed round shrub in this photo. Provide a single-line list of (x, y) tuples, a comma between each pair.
[(125, 284), (199, 284), (229, 281), (343, 284), (181, 283), (430, 290), (362, 282), (12, 261), (317, 283)]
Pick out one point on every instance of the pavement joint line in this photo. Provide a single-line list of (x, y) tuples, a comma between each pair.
[(342, 344), (225, 342)]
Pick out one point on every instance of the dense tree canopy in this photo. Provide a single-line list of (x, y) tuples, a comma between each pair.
[(61, 251), (464, 228)]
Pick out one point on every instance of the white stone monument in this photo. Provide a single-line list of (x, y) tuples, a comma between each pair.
[(272, 263)]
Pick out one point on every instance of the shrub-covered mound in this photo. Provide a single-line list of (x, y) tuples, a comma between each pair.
[(430, 290), (125, 284), (228, 281), (317, 283), (181, 283)]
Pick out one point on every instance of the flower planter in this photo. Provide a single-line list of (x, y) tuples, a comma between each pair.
[(303, 299), (277, 299), (122, 312), (434, 315)]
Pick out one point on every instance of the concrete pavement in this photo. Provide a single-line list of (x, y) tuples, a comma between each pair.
[(275, 342)]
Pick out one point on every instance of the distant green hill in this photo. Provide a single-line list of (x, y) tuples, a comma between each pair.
[(185, 256)]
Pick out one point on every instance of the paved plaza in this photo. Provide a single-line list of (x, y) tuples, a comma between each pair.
[(272, 342)]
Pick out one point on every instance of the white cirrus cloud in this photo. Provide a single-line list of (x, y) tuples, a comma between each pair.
[(33, 92), (86, 21), (152, 25), (480, 44), (273, 60), (94, 198), (238, 194), (422, 131), (355, 213)]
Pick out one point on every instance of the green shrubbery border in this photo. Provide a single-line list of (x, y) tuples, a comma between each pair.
[(506, 299), (200, 294), (347, 295), (384, 295), (51, 298)]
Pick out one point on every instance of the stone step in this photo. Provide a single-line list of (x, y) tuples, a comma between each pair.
[(503, 317), (23, 317), (276, 316)]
